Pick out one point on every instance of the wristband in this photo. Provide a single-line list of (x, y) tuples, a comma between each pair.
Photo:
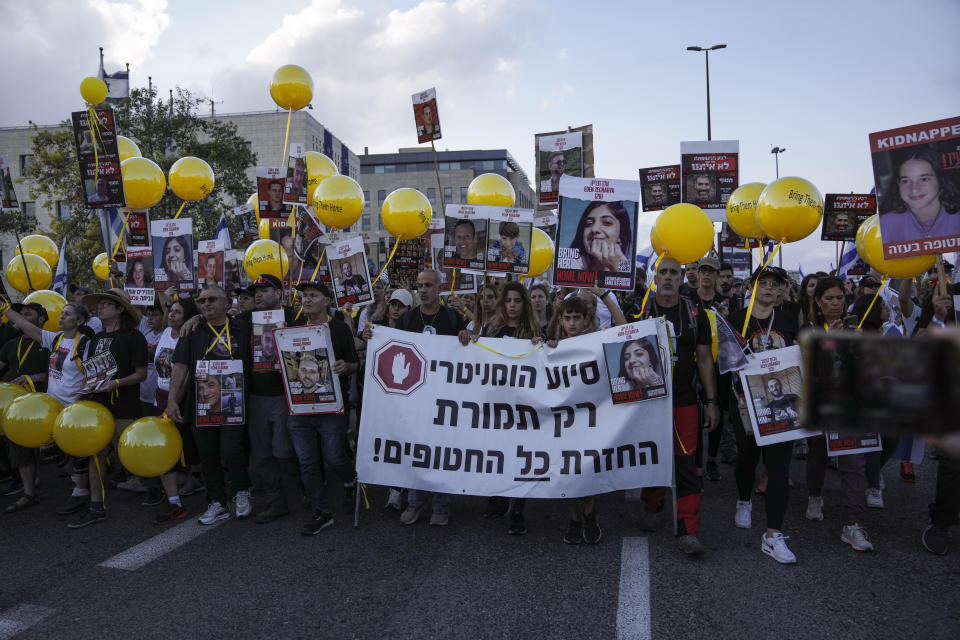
[(710, 401), (604, 294)]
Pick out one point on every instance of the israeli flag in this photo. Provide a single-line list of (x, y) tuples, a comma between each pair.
[(646, 259), (847, 262), (60, 279), (223, 233)]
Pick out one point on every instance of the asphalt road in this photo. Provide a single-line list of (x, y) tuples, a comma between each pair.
[(470, 579)]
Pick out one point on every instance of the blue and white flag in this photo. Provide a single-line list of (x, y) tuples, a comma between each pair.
[(646, 259), (800, 269), (60, 278), (768, 249), (118, 84), (847, 261), (223, 233)]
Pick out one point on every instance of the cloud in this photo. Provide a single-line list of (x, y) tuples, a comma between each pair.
[(562, 54)]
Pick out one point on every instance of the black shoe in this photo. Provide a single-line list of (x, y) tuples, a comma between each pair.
[(591, 530), (88, 517), (517, 525), (713, 472), (155, 495), (497, 507), (171, 514), (271, 513), (574, 532), (73, 505), (14, 488), (320, 521), (349, 498)]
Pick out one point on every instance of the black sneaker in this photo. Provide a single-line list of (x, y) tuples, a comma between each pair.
[(171, 514), (155, 495), (320, 521), (713, 472), (73, 505), (88, 517), (517, 526), (349, 497), (936, 539), (271, 513), (591, 530), (497, 507), (574, 532)]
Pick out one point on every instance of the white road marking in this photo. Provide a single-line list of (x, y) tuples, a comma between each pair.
[(633, 608), (157, 546), (22, 617)]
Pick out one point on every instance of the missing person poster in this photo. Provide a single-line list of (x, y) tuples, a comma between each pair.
[(575, 145), (425, 115), (306, 355), (843, 213), (709, 174), (659, 187), (596, 236), (173, 254), (295, 186), (282, 234), (509, 233), (772, 384), (916, 170), (270, 185), (265, 354), (8, 196), (846, 444), (249, 230), (636, 368), (730, 238), (211, 263), (97, 370), (349, 269), (309, 245), (407, 262), (138, 282), (219, 392), (465, 238), (138, 229), (99, 158), (460, 282)]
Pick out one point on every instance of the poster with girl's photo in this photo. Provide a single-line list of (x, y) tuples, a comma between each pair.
[(349, 269), (425, 115), (210, 263), (306, 359), (916, 170), (635, 369), (138, 282), (596, 236), (295, 185), (465, 241), (561, 153), (219, 392), (173, 254), (772, 384), (659, 187), (709, 173), (265, 354), (270, 184), (508, 240)]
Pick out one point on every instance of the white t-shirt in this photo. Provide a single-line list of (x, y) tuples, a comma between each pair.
[(148, 388), (64, 378), (163, 359)]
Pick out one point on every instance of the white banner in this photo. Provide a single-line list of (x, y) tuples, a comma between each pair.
[(510, 419)]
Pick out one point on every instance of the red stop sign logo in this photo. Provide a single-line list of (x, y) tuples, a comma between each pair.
[(399, 368)]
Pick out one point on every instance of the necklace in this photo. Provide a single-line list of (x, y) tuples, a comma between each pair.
[(428, 326)]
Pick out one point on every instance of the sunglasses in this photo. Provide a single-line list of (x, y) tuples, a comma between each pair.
[(210, 299)]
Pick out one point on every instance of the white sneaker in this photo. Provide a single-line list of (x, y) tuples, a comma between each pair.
[(242, 505), (815, 508), (214, 513), (776, 547), (856, 537), (395, 500), (744, 516), (874, 498)]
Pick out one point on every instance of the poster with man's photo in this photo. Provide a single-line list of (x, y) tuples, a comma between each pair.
[(270, 185), (349, 269), (282, 234), (659, 187), (173, 254), (460, 282), (264, 347), (138, 229), (249, 230), (509, 233), (219, 392), (138, 282), (596, 237), (709, 172), (99, 158), (295, 185), (8, 196), (425, 115), (916, 170), (772, 384), (730, 238), (561, 153), (846, 444), (309, 245), (465, 237), (635, 369), (306, 357), (843, 213), (210, 263), (407, 262)]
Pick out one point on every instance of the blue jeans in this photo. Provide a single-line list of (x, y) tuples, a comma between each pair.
[(309, 435), (441, 501)]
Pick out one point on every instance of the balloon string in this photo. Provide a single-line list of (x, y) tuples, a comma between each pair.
[(94, 123), (103, 491), (123, 230), (180, 210), (454, 283), (29, 380), (286, 138), (366, 500), (653, 285), (506, 355), (883, 282), (319, 262), (753, 295), (23, 259), (393, 251)]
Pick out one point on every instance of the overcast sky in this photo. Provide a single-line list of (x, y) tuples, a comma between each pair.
[(815, 77)]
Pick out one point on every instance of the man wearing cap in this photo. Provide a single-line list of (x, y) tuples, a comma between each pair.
[(246, 300), (312, 434), (708, 268), (125, 348)]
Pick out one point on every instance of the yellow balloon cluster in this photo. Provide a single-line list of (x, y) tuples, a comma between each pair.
[(127, 148), (319, 168), (101, 266), (93, 90), (684, 233), (492, 189), (53, 302), (870, 248), (40, 273), (742, 210), (150, 447), (265, 257), (8, 391), (406, 213), (41, 246), (191, 179), (255, 201), (83, 428), (28, 419), (541, 252), (143, 182), (789, 209), (338, 201), (291, 87)]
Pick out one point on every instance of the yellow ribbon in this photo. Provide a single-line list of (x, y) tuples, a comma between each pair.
[(20, 358), (123, 230), (94, 122), (454, 282), (652, 287), (883, 282), (30, 384), (103, 491), (219, 338), (393, 251), (753, 296), (317, 269), (507, 355), (286, 137), (363, 490), (180, 210)]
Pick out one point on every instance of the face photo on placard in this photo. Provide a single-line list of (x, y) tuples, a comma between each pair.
[(310, 376), (509, 244), (348, 274), (270, 184), (465, 239), (597, 236), (701, 188), (139, 272), (264, 345), (295, 187), (556, 163), (174, 255), (426, 117), (776, 398), (635, 370)]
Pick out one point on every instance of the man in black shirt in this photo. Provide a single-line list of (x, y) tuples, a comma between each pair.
[(725, 287)]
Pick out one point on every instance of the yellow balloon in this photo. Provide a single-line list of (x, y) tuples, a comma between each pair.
[(255, 201), (789, 209), (150, 447), (870, 248), (8, 391), (655, 240), (101, 266), (338, 201), (406, 213), (83, 428), (541, 252), (128, 148), (291, 87), (493, 189), (53, 302), (191, 179), (263, 229), (685, 231), (265, 257), (742, 210), (93, 90), (28, 420), (319, 168), (41, 275), (41, 246), (143, 182)]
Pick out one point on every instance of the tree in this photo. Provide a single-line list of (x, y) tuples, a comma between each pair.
[(165, 131)]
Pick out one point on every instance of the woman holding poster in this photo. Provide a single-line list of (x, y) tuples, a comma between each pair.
[(604, 238), (919, 203)]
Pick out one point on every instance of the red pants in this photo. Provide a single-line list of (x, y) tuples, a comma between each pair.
[(686, 424)]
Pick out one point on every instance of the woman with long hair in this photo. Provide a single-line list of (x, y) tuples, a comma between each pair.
[(177, 259), (919, 200), (542, 307), (483, 306)]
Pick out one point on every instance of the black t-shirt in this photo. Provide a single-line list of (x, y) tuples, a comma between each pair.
[(129, 350), (344, 347), (775, 332), (684, 316), (267, 383), (445, 322), (788, 306), (35, 360), (202, 344)]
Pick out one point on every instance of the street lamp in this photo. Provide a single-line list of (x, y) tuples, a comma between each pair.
[(776, 151), (707, 50)]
